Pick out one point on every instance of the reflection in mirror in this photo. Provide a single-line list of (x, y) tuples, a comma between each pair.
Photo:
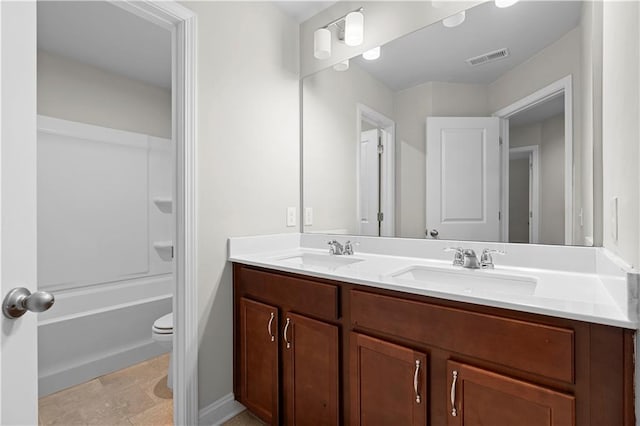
[(482, 131)]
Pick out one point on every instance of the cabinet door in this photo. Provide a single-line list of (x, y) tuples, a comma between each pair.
[(310, 371), (388, 383), (259, 359), (481, 397)]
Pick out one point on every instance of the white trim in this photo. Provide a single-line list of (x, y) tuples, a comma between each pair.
[(562, 86), (533, 152), (388, 166), (221, 410), (182, 22)]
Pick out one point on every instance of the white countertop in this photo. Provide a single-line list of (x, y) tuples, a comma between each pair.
[(602, 291)]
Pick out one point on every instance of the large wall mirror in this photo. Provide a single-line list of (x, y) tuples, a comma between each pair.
[(481, 131)]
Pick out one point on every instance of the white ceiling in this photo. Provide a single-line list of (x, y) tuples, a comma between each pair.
[(105, 36), (437, 53), (302, 10)]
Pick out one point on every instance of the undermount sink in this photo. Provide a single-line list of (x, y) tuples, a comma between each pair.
[(317, 260), (468, 281)]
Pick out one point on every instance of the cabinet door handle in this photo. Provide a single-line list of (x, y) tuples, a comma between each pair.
[(273, 338), (415, 381), (286, 329), (454, 412)]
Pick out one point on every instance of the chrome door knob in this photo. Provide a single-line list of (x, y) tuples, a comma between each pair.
[(20, 300), (434, 234)]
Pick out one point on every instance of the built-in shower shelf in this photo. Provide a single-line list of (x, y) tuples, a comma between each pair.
[(164, 249), (164, 204)]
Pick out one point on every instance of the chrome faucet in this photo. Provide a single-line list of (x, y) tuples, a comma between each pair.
[(335, 248), (464, 257), (458, 257), (486, 260)]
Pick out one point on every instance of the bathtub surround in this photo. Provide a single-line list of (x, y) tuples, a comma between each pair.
[(96, 237)]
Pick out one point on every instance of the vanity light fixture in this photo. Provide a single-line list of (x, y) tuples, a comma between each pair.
[(322, 43), (454, 20), (505, 3), (372, 54), (350, 31), (342, 66)]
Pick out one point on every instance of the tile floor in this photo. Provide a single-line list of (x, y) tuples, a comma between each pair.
[(244, 419), (137, 395)]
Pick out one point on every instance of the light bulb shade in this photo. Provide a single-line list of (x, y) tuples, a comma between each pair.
[(454, 20), (354, 29), (322, 43), (342, 66), (372, 55), (505, 3)]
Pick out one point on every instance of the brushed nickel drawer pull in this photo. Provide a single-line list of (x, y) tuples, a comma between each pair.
[(273, 338), (454, 412), (415, 381), (286, 328)]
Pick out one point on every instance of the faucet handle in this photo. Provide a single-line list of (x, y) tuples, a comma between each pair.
[(458, 258), (486, 260), (348, 248)]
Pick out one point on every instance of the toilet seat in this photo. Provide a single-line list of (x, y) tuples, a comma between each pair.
[(164, 324)]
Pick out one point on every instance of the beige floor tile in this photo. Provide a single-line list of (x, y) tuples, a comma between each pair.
[(244, 419), (158, 415), (161, 363), (138, 392)]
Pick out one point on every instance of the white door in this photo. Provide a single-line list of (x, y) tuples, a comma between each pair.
[(369, 183), (463, 178), (18, 354)]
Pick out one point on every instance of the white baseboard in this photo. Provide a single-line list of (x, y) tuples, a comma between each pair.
[(220, 411), (89, 370)]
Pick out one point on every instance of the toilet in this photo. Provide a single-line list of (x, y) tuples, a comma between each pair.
[(162, 332)]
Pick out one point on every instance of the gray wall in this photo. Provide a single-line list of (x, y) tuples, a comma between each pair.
[(75, 91), (519, 200), (248, 157)]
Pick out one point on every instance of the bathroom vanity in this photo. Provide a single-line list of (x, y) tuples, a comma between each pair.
[(321, 339)]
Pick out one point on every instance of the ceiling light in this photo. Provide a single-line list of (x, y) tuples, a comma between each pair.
[(354, 29), (322, 43), (505, 3), (372, 55), (342, 66), (455, 20)]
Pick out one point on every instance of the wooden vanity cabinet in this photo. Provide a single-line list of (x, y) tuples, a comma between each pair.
[(482, 397), (357, 355), (287, 368), (388, 383)]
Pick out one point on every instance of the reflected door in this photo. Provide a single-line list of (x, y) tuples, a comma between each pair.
[(369, 183), (463, 178)]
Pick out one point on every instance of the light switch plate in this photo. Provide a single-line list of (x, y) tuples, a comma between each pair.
[(291, 216), (308, 216)]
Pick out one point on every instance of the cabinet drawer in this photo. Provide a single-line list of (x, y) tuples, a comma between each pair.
[(536, 348), (294, 294)]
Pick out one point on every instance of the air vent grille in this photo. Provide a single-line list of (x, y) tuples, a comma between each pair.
[(488, 57)]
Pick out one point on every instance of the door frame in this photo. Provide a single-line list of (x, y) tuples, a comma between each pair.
[(182, 23), (562, 86), (533, 153), (387, 201)]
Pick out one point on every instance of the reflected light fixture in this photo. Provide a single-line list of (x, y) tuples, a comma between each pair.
[(505, 3), (354, 28), (342, 66), (322, 43), (454, 20), (350, 30), (372, 54)]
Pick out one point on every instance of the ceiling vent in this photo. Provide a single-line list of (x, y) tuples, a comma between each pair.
[(488, 57)]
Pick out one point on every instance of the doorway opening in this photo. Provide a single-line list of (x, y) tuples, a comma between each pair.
[(375, 164), (543, 119)]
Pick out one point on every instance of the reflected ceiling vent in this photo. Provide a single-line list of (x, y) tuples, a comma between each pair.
[(488, 57)]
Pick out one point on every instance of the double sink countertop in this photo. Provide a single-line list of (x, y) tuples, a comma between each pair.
[(581, 283)]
